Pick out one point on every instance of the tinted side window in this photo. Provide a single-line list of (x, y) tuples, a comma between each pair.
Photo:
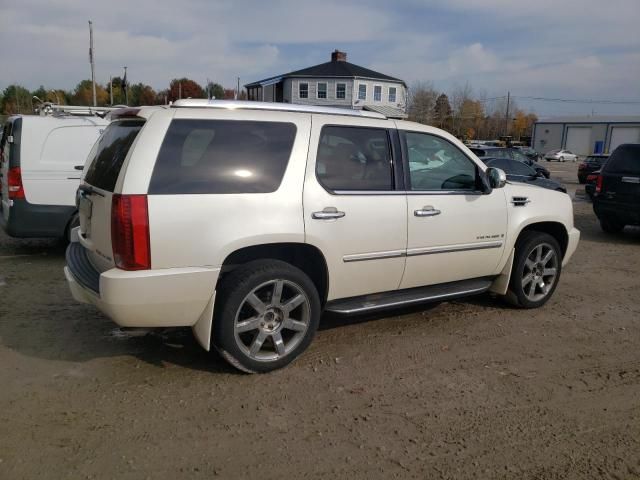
[(501, 163), (436, 164), (110, 152), (354, 158), (624, 159), (518, 168), (222, 156)]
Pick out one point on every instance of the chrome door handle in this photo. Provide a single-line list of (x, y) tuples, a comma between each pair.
[(427, 211), (329, 213)]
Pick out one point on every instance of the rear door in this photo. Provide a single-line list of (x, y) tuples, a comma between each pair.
[(9, 157), (53, 179), (96, 191), (354, 211)]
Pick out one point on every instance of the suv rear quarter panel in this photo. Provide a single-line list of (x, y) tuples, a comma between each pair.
[(201, 230)]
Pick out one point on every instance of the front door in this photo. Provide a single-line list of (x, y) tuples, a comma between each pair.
[(455, 231), (353, 211)]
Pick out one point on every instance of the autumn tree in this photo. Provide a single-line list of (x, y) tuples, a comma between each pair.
[(442, 112), (214, 90), (141, 94), (83, 94), (184, 88), (421, 103), (16, 99)]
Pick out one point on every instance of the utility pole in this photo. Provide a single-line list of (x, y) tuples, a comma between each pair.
[(506, 118), (93, 72), (238, 89), (179, 90), (110, 90), (125, 86)]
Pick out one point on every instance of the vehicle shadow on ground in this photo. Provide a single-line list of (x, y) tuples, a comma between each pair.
[(590, 230), (11, 247)]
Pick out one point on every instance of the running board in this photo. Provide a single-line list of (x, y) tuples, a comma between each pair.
[(411, 296)]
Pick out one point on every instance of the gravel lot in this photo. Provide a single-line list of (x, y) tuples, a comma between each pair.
[(465, 389)]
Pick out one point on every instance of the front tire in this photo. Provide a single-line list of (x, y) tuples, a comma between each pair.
[(611, 226), (267, 315), (536, 270)]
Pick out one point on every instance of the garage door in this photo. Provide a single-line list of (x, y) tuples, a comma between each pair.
[(579, 140), (620, 135)]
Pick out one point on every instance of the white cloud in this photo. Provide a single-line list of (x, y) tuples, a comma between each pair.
[(559, 48)]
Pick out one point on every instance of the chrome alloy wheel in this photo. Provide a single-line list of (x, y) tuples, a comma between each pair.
[(540, 272), (272, 320)]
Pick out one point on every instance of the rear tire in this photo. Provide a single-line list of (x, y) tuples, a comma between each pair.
[(73, 223), (266, 315), (611, 226), (536, 270)]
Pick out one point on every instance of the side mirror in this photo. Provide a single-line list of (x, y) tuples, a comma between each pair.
[(497, 177)]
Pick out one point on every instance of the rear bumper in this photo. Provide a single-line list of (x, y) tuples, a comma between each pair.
[(30, 220), (627, 213), (572, 245), (172, 297)]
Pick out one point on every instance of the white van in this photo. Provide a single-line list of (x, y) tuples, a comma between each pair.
[(41, 161)]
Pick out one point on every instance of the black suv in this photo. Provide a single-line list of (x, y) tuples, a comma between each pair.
[(617, 198), (591, 164), (512, 154)]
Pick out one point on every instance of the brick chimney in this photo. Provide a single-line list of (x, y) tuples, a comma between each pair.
[(338, 56)]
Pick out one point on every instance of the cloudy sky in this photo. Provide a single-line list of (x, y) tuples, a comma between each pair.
[(571, 49)]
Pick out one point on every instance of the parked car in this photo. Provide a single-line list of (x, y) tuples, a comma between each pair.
[(560, 156), (40, 172), (590, 184), (511, 153), (246, 220), (530, 153), (519, 172), (616, 201), (591, 164)]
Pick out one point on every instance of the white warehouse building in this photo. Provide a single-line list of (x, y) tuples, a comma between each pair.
[(585, 135)]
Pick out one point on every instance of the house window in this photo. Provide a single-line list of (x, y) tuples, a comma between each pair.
[(303, 90), (362, 91), (392, 94), (341, 90), (322, 90), (377, 93)]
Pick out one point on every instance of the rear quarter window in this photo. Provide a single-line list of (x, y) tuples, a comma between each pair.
[(222, 156), (109, 153), (624, 160)]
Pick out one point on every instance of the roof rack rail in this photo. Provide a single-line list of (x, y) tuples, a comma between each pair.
[(273, 106), (53, 109)]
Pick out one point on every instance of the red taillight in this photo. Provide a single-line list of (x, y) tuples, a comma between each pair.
[(130, 232), (592, 178), (599, 184), (14, 181)]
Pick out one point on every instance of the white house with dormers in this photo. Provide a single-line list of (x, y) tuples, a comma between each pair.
[(337, 83)]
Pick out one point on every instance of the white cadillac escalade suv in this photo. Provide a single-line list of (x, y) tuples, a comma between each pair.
[(247, 220)]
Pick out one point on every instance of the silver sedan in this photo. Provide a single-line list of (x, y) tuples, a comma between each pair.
[(560, 156)]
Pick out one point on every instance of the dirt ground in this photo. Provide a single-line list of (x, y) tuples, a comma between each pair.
[(464, 389)]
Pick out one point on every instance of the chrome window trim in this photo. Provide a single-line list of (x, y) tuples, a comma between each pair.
[(405, 192)]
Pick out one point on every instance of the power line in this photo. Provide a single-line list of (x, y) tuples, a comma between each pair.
[(565, 100)]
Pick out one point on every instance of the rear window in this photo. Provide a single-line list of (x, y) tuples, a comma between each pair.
[(109, 153), (624, 159), (222, 156)]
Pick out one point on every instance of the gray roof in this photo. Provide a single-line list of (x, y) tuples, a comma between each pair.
[(592, 119), (389, 112), (333, 69)]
